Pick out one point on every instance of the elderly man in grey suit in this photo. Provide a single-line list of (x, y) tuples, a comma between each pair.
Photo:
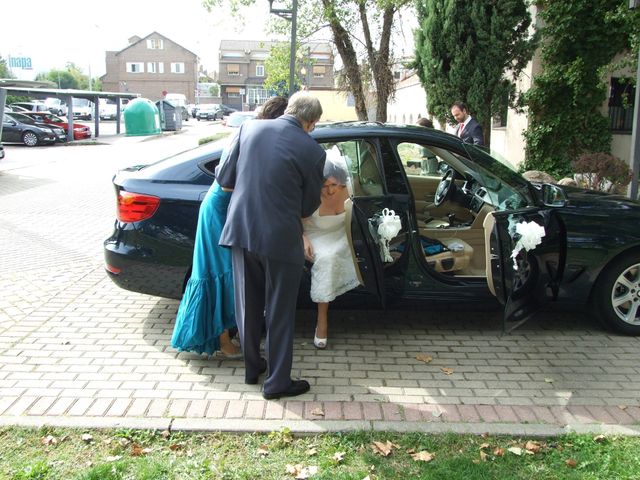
[(275, 170)]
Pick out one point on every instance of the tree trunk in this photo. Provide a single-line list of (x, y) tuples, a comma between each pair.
[(349, 59)]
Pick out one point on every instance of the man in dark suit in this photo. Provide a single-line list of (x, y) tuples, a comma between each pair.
[(468, 129), (275, 171)]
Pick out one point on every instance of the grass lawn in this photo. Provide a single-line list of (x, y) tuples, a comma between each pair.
[(56, 453)]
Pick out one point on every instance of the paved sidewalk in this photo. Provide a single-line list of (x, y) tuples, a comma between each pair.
[(76, 350)]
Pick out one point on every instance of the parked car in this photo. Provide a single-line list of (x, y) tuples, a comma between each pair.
[(238, 118), (194, 110), (1, 151), (209, 111), (56, 106), (80, 131), (227, 110), (19, 128), (30, 106), (463, 224)]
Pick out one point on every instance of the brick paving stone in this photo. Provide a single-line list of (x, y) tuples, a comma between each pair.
[(352, 411), (294, 410), (601, 414), (274, 411), (620, 415), (391, 412), (468, 413), (525, 413), (255, 409), (236, 409), (197, 409), (157, 407), (80, 407), (138, 407), (41, 405), (178, 408), (99, 407), (543, 414), (312, 410), (371, 411), (217, 409), (332, 410), (581, 414)]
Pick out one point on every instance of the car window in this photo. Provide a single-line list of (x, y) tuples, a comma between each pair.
[(419, 160), (361, 159)]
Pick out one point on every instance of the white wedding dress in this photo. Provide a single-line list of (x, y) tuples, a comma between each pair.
[(333, 272)]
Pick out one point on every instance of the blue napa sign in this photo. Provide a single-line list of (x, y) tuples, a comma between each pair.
[(20, 62)]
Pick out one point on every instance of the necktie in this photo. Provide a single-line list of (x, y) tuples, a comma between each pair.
[(460, 130)]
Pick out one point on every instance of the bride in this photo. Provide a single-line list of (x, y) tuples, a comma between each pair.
[(326, 245)]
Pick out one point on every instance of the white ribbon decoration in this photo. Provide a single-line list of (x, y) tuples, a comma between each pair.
[(530, 237), (388, 228)]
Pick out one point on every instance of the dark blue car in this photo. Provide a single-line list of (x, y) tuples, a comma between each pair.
[(472, 229)]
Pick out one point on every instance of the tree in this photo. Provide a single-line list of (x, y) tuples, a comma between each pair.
[(472, 51), (361, 32), (4, 69), (276, 66), (71, 77), (581, 38)]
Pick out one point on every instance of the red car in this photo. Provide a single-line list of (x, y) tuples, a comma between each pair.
[(80, 131)]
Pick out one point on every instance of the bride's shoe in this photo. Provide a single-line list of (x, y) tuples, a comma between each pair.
[(319, 343)]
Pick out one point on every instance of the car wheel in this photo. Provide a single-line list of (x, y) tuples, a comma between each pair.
[(30, 139), (617, 295)]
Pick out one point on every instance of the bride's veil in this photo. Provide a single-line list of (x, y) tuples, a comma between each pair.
[(335, 158)]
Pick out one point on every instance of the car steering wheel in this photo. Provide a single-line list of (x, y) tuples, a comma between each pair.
[(444, 187)]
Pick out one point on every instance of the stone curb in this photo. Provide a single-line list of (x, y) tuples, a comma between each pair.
[(305, 427)]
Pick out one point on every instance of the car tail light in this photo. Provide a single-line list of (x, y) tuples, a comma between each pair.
[(134, 207)]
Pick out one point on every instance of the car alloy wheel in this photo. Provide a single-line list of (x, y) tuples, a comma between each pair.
[(617, 294), (30, 139)]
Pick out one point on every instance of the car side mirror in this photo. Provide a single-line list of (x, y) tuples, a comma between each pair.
[(553, 195)]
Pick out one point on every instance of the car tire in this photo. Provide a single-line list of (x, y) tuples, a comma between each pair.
[(30, 139), (616, 295)]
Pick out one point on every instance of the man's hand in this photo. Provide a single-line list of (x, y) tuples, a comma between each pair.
[(308, 248)]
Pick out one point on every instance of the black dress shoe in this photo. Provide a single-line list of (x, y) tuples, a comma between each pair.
[(297, 387), (252, 380)]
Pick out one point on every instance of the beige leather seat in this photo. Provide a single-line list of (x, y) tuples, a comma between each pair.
[(456, 259)]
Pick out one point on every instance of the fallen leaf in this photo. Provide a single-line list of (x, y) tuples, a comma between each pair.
[(137, 450), (317, 412), (165, 434), (484, 445), (622, 407), (263, 451), (599, 438), (175, 446), (515, 450), (532, 446), (423, 357), (87, 437), (548, 380), (383, 449), (339, 456), (410, 451), (498, 452), (422, 456), (447, 370), (311, 452), (49, 440), (124, 441), (483, 456), (300, 472), (115, 458), (571, 463)]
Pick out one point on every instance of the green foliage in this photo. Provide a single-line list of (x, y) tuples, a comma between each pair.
[(71, 77), (464, 51), (581, 38), (4, 69), (214, 90), (276, 67)]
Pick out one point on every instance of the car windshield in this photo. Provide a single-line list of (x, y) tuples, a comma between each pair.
[(22, 118)]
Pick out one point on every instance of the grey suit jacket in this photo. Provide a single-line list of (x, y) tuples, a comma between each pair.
[(472, 132), (275, 169)]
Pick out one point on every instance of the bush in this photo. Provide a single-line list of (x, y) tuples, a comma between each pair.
[(601, 171)]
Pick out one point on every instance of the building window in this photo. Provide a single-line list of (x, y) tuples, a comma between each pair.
[(233, 92), (621, 98), (177, 67), (155, 67), (233, 69), (135, 67), (319, 71), (257, 95), (260, 70), (154, 44)]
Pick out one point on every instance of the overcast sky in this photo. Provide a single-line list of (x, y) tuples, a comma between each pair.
[(80, 31), (54, 33)]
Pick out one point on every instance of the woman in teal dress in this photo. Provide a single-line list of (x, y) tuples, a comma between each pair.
[(207, 312)]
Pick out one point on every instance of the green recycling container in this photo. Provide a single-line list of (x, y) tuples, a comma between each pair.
[(141, 117)]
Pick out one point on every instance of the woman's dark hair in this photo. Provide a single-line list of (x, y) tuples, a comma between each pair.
[(333, 170), (424, 122), (272, 108)]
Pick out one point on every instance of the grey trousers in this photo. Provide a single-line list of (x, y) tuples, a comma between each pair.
[(266, 292)]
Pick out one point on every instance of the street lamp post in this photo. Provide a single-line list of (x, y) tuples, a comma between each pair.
[(635, 138), (291, 15)]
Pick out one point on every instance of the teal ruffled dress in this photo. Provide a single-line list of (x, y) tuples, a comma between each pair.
[(207, 306)]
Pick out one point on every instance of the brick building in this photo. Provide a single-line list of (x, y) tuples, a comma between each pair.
[(152, 65)]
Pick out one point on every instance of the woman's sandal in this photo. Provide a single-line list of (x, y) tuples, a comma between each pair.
[(319, 343)]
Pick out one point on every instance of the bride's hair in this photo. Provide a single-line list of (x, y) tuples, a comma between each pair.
[(331, 169)]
